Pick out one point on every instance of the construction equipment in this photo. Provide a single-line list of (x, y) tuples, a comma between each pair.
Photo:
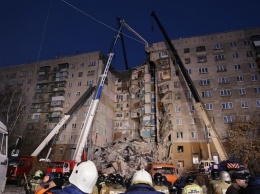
[(3, 156)]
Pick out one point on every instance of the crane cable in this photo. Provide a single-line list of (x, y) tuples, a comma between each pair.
[(101, 22)]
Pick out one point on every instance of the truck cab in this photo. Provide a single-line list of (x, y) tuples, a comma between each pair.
[(18, 167), (3, 156), (167, 170), (63, 168)]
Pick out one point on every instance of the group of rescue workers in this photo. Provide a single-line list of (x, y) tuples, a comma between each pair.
[(86, 179)]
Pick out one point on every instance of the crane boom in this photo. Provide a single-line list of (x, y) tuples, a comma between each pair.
[(199, 104), (93, 106)]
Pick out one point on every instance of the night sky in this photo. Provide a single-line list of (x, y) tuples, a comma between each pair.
[(35, 30)]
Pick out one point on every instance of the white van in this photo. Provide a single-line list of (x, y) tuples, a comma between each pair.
[(3, 156)]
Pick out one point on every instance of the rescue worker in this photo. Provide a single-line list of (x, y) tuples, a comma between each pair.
[(54, 187), (83, 179), (117, 186), (191, 187), (158, 183), (101, 181), (34, 182), (108, 183), (45, 182), (225, 182), (239, 181), (142, 183), (215, 180)]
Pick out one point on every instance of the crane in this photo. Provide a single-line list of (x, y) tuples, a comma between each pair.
[(94, 103), (199, 104)]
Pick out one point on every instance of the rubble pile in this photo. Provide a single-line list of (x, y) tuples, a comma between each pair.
[(125, 156)]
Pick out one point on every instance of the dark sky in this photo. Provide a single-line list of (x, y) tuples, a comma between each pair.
[(34, 30)]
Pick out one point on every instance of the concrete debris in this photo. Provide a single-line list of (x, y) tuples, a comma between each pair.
[(125, 156)]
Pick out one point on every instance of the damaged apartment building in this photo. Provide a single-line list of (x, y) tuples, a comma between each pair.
[(148, 109)]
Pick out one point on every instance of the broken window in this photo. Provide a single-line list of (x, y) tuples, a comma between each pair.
[(180, 149)]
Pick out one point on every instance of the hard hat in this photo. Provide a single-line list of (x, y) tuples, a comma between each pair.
[(38, 173), (157, 178), (215, 174), (119, 180), (84, 176), (225, 176), (142, 176), (189, 179)]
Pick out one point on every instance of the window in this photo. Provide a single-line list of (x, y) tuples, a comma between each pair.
[(201, 59), (119, 115), (241, 91), (179, 135), (72, 66), (178, 109), (180, 149), (189, 71), (163, 54), (219, 57), (80, 74), (254, 77), (247, 42), (203, 70), (252, 65), (73, 126), (177, 96), (81, 65), (192, 120), (87, 103), (186, 50), (257, 90), (233, 44), (221, 68), (200, 48), (79, 84), (70, 84), (244, 104), (71, 75), (227, 105), (206, 94), (223, 80), (204, 82), (62, 137), (179, 121), (225, 92), (258, 103), (228, 119), (92, 63), (189, 95), (92, 72), (235, 55), (29, 81), (176, 84), (249, 54), (209, 106), (68, 95), (217, 46), (187, 60), (240, 78), (237, 66), (90, 82), (193, 134), (85, 113), (192, 108), (77, 94)]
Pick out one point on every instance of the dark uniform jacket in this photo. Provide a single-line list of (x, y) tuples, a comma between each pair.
[(233, 189), (142, 189)]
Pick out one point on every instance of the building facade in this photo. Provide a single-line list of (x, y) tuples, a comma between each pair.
[(151, 101)]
